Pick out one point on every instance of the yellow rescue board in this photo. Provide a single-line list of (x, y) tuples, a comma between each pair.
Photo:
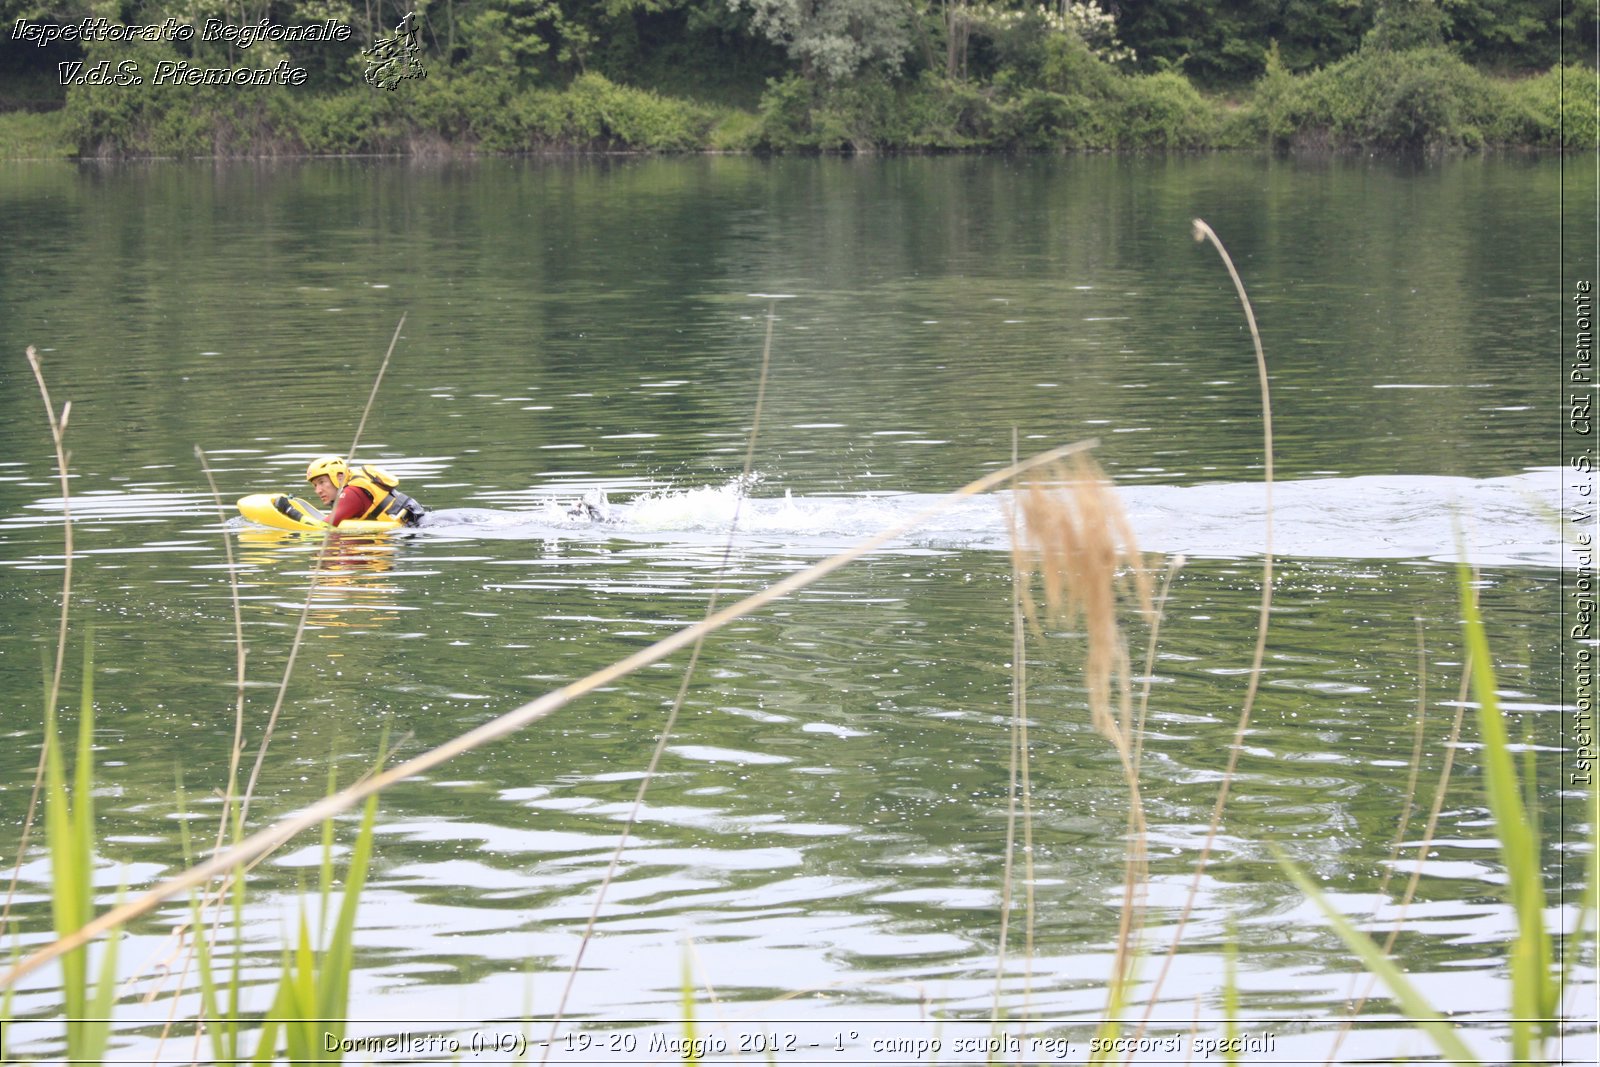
[(291, 513)]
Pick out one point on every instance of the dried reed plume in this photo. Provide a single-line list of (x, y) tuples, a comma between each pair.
[(1075, 538), (1074, 535)]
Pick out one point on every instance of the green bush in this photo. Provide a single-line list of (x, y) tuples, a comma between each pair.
[(873, 113), (359, 120), (147, 119), (1425, 98), (605, 114), (1155, 111), (869, 115), (102, 120), (34, 135), (1269, 118), (792, 117), (1163, 111), (1554, 110), (261, 122), (540, 120), (944, 114), (1040, 119), (733, 130)]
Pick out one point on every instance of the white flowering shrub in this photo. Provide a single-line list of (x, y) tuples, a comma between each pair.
[(1097, 28)]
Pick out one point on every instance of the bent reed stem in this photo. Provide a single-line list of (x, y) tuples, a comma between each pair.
[(272, 836), (235, 754), (377, 381), (1424, 846), (58, 434), (1203, 232)]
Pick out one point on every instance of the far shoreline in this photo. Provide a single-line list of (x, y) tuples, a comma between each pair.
[(1347, 109)]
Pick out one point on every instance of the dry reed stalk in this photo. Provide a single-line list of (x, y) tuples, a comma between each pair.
[(1391, 862), (1202, 233), (1136, 872), (271, 837), (1073, 535), (677, 703), (1423, 847), (217, 894), (377, 381), (58, 435), (311, 592), (236, 753), (1019, 795), (1174, 565), (1016, 805), (235, 756)]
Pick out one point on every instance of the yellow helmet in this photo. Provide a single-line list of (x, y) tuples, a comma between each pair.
[(332, 466)]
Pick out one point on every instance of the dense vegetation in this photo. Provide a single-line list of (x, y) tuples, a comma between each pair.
[(674, 75)]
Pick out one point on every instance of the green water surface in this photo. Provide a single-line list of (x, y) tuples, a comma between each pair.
[(824, 842)]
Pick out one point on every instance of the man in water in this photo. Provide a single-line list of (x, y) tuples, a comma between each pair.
[(367, 493)]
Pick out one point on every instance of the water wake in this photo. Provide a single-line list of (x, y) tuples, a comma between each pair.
[(1511, 521)]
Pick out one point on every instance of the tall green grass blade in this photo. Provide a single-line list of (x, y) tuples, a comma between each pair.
[(686, 995), (97, 1025), (1230, 994), (1530, 779), (204, 965), (1410, 999), (339, 953), (1110, 1027), (272, 1021), (223, 1028), (325, 869), (209, 1008), (1589, 905), (70, 836), (5, 1009), (236, 976), (97, 1022), (339, 958), (65, 875), (302, 996), (1534, 991), (313, 992)]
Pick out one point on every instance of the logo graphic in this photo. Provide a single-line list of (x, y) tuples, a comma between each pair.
[(393, 59)]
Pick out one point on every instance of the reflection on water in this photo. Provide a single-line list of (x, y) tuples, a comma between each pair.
[(345, 579), (825, 839)]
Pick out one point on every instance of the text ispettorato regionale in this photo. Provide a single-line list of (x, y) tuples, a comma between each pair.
[(241, 35)]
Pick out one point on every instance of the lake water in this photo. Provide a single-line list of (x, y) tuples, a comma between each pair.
[(823, 847)]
